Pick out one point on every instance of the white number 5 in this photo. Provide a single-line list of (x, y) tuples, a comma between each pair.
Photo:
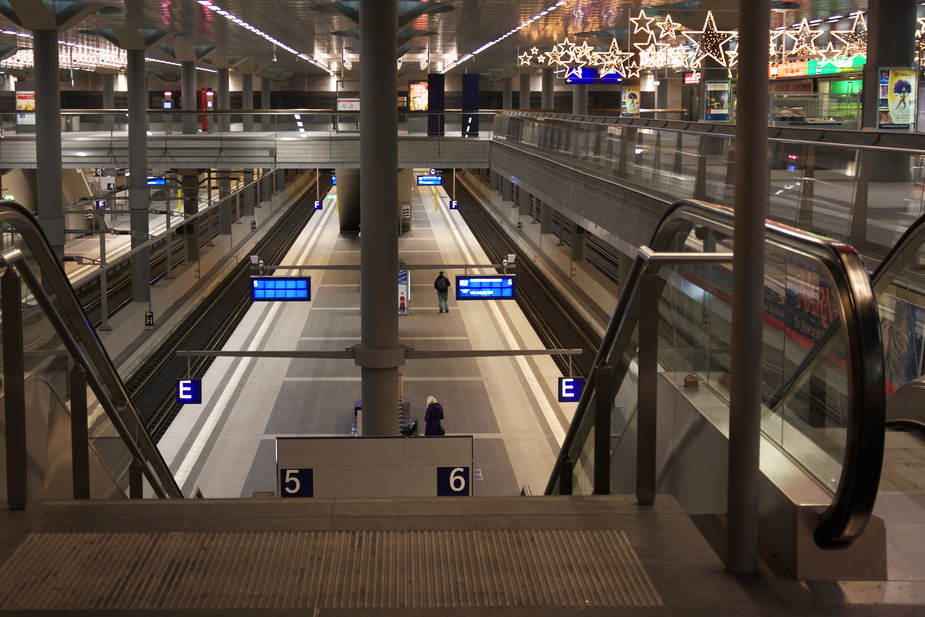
[(292, 475), (457, 481)]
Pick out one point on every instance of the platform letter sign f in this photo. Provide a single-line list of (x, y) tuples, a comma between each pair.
[(570, 389), (189, 391)]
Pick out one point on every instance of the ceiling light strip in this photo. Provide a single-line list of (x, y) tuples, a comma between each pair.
[(459, 61), (234, 18)]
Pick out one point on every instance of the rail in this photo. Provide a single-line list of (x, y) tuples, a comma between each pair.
[(794, 257), (113, 418)]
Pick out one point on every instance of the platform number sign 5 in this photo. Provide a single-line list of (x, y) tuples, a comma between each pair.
[(453, 482), (296, 483)]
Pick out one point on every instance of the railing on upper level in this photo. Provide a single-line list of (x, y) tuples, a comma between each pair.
[(810, 282), (863, 188), (46, 334)]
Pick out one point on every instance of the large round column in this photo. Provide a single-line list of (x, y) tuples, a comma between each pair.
[(247, 100), (379, 353), (223, 100), (524, 102), (507, 93), (580, 99), (49, 194), (188, 85), (549, 90), (138, 195)]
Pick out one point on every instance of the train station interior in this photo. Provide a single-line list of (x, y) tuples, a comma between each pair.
[(532, 307)]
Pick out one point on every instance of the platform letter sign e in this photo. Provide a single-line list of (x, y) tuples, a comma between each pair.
[(570, 389), (296, 483), (189, 391)]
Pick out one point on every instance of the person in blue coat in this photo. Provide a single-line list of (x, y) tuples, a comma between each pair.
[(432, 417)]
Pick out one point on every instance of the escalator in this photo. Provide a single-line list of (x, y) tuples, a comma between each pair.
[(829, 428), (55, 370)]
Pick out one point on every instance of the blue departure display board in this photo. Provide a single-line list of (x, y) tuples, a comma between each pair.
[(430, 180), (290, 288), (156, 181), (485, 287)]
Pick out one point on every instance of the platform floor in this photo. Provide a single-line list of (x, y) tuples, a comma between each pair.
[(226, 445)]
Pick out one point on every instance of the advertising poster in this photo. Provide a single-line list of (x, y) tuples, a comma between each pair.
[(896, 108), (418, 93), (25, 101), (629, 102), (717, 101)]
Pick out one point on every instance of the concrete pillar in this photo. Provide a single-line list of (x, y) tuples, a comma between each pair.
[(190, 184), (348, 200), (265, 103), (507, 96), (579, 243), (751, 170), (523, 203), (280, 183), (138, 193), (224, 208), (494, 181), (379, 353), (188, 94), (580, 99), (247, 100), (109, 98), (49, 193), (524, 91), (546, 212), (267, 185), (549, 89), (506, 189), (248, 201), (223, 100)]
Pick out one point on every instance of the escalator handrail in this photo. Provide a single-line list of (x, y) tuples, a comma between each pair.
[(853, 502), (53, 275)]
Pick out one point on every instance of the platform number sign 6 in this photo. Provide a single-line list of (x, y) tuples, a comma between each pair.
[(296, 483), (453, 482)]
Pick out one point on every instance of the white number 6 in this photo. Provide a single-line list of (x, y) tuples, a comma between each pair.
[(292, 475), (457, 481)]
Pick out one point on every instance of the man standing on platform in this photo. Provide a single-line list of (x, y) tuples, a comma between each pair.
[(442, 285)]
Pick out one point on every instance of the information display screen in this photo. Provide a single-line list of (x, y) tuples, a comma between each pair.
[(291, 288), (430, 180), (485, 287)]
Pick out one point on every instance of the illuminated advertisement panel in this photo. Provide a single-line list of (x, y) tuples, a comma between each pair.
[(418, 92)]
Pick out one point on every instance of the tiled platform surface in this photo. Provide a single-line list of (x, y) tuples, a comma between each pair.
[(479, 556)]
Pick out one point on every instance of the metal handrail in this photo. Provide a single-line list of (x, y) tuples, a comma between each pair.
[(140, 443), (851, 507)]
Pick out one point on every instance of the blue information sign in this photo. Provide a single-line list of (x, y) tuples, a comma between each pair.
[(454, 205), (570, 389), (333, 180), (296, 483), (290, 288), (430, 180), (453, 482), (485, 287), (317, 205), (189, 391)]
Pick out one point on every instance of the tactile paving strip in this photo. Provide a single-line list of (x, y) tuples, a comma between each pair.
[(289, 570)]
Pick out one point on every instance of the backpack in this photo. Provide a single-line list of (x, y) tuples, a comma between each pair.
[(442, 284)]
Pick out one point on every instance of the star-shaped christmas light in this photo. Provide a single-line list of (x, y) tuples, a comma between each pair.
[(774, 50), (612, 61), (855, 40), (534, 51), (525, 58), (732, 57), (642, 23), (829, 55), (669, 29), (804, 40), (921, 30), (632, 70), (711, 42), (651, 53)]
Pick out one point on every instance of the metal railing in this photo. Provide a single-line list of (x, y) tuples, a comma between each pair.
[(807, 278), (47, 334)]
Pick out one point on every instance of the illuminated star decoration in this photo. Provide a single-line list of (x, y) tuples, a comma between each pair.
[(651, 53), (774, 50), (669, 29), (804, 40), (855, 40), (580, 57), (632, 70), (534, 51), (612, 61), (920, 38), (711, 42), (732, 57), (525, 58), (829, 55), (639, 26)]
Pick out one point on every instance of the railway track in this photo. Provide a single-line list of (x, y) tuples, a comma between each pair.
[(556, 323)]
